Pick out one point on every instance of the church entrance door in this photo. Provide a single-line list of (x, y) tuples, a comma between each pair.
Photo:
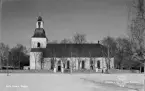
[(59, 68)]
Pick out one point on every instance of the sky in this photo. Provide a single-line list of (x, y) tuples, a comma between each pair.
[(63, 18)]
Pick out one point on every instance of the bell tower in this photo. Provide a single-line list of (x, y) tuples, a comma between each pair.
[(38, 43), (39, 39)]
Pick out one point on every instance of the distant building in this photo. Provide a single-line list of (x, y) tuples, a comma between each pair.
[(60, 57)]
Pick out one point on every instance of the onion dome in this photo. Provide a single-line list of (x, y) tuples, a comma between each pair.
[(39, 32), (39, 18)]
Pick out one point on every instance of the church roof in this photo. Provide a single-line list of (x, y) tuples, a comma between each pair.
[(72, 50), (39, 32)]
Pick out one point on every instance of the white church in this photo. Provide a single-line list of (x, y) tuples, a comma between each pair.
[(65, 57)]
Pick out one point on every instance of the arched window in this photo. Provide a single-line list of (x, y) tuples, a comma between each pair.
[(59, 65), (98, 64), (91, 64), (83, 64), (68, 64), (38, 44)]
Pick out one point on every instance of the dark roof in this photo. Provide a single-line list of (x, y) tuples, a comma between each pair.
[(37, 49), (39, 32), (39, 18), (74, 50)]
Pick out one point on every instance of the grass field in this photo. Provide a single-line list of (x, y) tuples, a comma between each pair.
[(68, 82)]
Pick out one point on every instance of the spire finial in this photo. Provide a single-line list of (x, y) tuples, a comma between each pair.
[(39, 18), (39, 13), (40, 22)]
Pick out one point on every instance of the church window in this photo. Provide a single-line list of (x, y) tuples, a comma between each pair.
[(91, 64), (98, 64), (68, 64), (83, 64), (38, 44)]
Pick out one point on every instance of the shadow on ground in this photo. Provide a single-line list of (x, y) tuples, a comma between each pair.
[(115, 86)]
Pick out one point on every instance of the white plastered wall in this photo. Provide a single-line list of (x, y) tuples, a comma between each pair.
[(87, 62), (112, 63), (47, 63), (42, 41), (35, 58)]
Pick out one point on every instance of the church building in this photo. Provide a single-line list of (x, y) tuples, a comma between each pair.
[(65, 57)]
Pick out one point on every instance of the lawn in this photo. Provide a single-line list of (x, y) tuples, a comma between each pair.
[(68, 82)]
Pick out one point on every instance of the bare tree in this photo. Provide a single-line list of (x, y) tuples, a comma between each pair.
[(110, 44), (64, 60), (65, 41), (92, 61), (18, 55), (53, 41), (53, 59), (4, 52), (79, 38), (37, 56), (41, 60), (123, 52), (137, 31)]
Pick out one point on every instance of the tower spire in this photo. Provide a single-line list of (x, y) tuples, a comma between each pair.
[(40, 22), (39, 31)]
